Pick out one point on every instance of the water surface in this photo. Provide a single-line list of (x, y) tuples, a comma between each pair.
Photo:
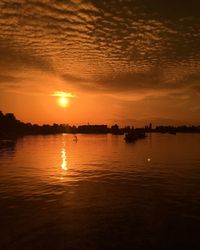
[(100, 193)]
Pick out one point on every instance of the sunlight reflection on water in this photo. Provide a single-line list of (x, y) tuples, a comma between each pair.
[(64, 159), (141, 192)]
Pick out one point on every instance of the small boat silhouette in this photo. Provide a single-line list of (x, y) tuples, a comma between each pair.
[(75, 138), (134, 135), (172, 132)]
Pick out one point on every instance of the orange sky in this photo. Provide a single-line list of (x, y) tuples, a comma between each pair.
[(126, 62)]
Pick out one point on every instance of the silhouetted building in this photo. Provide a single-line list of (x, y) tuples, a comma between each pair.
[(93, 129)]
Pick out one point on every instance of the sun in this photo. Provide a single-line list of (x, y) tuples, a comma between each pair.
[(63, 98), (63, 101)]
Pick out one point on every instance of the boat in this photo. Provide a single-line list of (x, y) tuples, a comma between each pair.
[(134, 135), (75, 138), (120, 132), (172, 132)]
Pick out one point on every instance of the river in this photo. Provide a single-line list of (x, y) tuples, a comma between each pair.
[(100, 193)]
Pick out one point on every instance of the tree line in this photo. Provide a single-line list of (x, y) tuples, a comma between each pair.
[(12, 127)]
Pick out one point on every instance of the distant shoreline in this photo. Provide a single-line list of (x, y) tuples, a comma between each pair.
[(11, 128)]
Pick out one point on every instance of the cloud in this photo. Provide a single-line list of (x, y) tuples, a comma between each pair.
[(10, 79), (63, 94), (103, 46), (16, 57)]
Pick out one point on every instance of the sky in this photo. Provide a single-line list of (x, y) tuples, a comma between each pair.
[(115, 61)]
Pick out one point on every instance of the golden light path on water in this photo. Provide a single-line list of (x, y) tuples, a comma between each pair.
[(64, 159)]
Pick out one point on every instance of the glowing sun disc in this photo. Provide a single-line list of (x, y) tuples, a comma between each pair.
[(63, 102)]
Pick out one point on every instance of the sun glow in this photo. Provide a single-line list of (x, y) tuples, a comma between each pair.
[(63, 98), (63, 101)]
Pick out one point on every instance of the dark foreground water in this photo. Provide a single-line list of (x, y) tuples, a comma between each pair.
[(100, 193)]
